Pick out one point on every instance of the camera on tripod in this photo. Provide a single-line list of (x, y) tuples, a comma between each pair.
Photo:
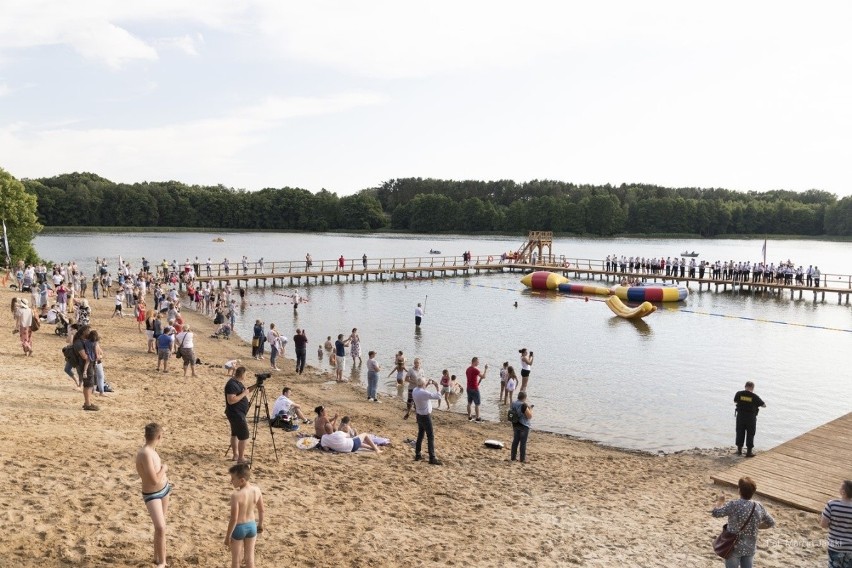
[(260, 377)]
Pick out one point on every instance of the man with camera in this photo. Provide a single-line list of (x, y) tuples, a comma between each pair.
[(423, 407), (521, 428), (236, 407)]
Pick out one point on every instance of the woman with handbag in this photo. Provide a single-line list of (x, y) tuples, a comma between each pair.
[(258, 340), (25, 323), (738, 540), (185, 341)]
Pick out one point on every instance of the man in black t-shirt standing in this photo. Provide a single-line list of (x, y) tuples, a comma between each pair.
[(300, 340), (236, 407), (748, 405)]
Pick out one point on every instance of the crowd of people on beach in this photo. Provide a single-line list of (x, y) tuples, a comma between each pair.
[(785, 272), (58, 297)]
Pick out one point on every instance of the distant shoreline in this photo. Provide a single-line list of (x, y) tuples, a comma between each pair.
[(220, 231)]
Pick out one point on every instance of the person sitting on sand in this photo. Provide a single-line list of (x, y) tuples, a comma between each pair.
[(341, 442), (322, 425), (242, 528), (231, 366), (347, 426), (285, 406), (155, 488)]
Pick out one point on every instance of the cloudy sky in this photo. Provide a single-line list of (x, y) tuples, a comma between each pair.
[(344, 95)]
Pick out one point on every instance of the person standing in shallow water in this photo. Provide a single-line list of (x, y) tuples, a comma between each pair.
[(418, 315), (526, 367)]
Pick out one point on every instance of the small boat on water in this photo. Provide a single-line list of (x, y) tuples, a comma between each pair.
[(434, 251), (218, 240), (688, 254)]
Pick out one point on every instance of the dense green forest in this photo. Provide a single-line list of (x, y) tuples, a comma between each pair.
[(431, 205)]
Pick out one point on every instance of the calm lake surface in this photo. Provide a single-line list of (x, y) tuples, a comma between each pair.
[(664, 384)]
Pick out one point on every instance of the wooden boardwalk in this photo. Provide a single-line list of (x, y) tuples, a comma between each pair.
[(296, 272), (805, 472)]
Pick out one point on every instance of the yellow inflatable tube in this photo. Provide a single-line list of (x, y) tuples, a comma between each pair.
[(622, 311)]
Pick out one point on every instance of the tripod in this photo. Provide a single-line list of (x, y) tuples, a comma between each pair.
[(258, 397)]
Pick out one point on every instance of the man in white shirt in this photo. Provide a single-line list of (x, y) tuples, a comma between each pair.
[(284, 405), (423, 407), (418, 315)]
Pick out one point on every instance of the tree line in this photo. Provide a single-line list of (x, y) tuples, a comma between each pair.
[(432, 205)]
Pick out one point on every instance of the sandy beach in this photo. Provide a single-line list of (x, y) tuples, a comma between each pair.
[(72, 496)]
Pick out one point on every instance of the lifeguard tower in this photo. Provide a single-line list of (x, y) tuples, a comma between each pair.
[(537, 241)]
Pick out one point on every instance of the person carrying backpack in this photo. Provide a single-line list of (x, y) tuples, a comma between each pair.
[(520, 415)]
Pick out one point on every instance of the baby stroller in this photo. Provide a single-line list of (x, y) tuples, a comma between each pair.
[(62, 323), (223, 332)]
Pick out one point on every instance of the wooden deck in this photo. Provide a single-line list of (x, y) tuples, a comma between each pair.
[(805, 472), (296, 272)]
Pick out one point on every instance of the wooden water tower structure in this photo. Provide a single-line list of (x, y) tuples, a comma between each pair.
[(537, 241)]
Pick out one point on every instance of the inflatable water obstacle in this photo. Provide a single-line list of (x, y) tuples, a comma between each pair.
[(651, 293), (618, 308), (543, 280)]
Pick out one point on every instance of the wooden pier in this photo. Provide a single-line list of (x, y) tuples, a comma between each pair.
[(805, 472), (295, 273)]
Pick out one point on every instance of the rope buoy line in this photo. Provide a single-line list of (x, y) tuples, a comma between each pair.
[(590, 299), (761, 320)]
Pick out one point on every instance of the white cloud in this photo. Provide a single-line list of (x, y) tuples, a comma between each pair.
[(4, 89), (186, 44), (94, 29), (210, 148)]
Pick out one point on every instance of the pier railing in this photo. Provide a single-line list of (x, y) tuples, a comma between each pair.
[(252, 269)]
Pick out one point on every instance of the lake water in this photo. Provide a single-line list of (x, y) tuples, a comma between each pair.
[(666, 383)]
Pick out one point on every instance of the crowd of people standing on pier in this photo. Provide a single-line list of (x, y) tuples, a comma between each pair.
[(786, 273)]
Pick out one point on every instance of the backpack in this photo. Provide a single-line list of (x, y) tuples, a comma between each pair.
[(514, 415)]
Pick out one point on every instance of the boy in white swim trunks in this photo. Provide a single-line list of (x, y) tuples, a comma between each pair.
[(242, 527)]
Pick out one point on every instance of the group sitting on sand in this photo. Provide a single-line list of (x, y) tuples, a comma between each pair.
[(340, 438)]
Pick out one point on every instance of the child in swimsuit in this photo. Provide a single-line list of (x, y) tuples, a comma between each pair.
[(242, 527), (504, 376), (511, 385), (446, 389)]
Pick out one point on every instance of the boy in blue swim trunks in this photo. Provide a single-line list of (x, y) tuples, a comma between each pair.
[(155, 488), (242, 528)]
